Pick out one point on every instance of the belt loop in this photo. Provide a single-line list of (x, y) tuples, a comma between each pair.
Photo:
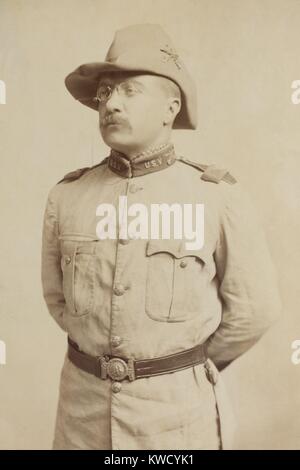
[(212, 372), (204, 346), (131, 373), (103, 367)]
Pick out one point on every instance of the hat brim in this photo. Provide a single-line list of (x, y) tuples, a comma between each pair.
[(83, 82)]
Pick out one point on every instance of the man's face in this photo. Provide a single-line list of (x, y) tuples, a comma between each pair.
[(131, 111)]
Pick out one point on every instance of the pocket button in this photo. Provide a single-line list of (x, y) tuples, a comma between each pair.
[(183, 264)]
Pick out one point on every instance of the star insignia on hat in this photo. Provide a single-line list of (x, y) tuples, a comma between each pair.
[(171, 54)]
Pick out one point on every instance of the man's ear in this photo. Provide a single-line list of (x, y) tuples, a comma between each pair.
[(172, 109)]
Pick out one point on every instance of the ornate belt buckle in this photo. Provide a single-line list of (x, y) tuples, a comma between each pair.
[(116, 368)]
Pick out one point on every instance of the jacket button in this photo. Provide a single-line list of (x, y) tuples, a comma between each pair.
[(124, 241), (115, 341), (119, 289), (183, 264), (68, 259), (116, 387), (134, 188)]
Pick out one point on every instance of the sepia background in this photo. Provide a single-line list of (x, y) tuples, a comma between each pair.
[(244, 56)]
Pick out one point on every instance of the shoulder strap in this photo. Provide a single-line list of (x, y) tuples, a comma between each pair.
[(74, 175), (210, 172)]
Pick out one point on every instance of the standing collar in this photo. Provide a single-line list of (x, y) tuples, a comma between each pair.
[(154, 159)]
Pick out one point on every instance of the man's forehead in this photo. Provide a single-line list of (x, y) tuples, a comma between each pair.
[(116, 77)]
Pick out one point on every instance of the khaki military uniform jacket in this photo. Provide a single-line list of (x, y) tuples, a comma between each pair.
[(145, 298)]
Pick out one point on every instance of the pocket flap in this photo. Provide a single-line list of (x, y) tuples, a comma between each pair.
[(77, 237), (77, 244), (176, 248), (85, 248)]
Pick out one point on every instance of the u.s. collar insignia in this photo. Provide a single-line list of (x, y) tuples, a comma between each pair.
[(153, 163), (171, 54)]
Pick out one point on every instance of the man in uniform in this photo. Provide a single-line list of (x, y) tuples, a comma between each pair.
[(150, 323)]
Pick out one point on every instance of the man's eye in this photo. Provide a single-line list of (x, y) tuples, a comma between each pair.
[(130, 90)]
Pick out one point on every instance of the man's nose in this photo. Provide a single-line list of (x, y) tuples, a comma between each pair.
[(114, 101)]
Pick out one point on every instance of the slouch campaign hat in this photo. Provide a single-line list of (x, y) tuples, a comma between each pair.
[(143, 48)]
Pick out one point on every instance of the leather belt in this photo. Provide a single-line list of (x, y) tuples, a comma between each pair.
[(120, 368)]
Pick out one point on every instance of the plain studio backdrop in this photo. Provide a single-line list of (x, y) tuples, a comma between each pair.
[(244, 56)]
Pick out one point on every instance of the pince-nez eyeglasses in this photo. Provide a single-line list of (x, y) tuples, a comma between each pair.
[(104, 92)]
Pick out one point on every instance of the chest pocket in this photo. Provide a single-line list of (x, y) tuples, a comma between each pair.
[(78, 268), (176, 281)]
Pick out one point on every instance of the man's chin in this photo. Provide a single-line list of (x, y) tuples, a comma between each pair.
[(116, 140)]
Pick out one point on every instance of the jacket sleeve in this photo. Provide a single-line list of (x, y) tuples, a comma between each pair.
[(51, 264), (247, 281)]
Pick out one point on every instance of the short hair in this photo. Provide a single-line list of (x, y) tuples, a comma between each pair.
[(171, 88)]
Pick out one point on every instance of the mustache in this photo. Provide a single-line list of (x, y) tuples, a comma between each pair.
[(112, 119)]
